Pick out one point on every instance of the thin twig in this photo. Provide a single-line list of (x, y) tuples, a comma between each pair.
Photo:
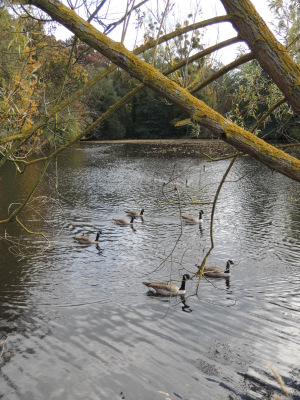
[(201, 268)]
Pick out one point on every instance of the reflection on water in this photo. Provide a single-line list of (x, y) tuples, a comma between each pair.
[(78, 323)]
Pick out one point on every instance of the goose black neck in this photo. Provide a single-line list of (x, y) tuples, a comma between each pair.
[(97, 237), (182, 287), (227, 267), (184, 278)]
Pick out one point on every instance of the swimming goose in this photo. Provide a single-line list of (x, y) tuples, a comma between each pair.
[(87, 239), (167, 288), (192, 220), (123, 221), (217, 272), (134, 213)]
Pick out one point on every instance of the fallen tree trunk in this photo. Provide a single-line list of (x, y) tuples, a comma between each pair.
[(231, 133)]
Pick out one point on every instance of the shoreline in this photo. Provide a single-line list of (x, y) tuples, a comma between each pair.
[(155, 141)]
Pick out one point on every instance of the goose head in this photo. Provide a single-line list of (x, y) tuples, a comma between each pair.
[(182, 287), (229, 262), (98, 235)]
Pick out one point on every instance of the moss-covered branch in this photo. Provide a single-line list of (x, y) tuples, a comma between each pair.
[(26, 134), (269, 112), (222, 71), (203, 53), (200, 112), (181, 31), (271, 54), (116, 106)]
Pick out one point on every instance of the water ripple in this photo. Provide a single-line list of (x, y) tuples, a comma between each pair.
[(77, 321)]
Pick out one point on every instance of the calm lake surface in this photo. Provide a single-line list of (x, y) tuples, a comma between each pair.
[(77, 322)]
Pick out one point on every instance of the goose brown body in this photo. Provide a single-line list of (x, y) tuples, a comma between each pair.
[(193, 220), (87, 239), (217, 272), (167, 288), (123, 221), (135, 213)]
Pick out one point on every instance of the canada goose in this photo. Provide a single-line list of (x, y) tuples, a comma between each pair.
[(217, 272), (123, 221), (134, 213), (87, 239), (192, 220), (168, 289)]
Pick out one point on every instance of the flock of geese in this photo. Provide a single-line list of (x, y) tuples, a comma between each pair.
[(164, 288), (83, 239)]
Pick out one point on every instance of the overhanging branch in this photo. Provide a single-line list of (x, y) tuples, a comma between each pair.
[(200, 112)]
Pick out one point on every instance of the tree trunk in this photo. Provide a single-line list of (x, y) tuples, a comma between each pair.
[(271, 55), (242, 140)]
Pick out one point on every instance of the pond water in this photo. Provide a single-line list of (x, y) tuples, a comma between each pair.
[(77, 322)]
